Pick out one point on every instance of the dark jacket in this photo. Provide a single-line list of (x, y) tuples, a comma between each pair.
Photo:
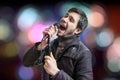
[(74, 62)]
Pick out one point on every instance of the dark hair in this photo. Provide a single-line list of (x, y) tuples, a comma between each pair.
[(83, 22)]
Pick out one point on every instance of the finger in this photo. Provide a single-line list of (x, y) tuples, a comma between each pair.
[(47, 58), (46, 62), (56, 28), (45, 65), (53, 28), (51, 55), (45, 31)]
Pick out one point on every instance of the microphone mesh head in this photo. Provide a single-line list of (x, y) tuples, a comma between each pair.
[(57, 24)]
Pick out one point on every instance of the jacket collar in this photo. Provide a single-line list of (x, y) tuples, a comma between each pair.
[(67, 42)]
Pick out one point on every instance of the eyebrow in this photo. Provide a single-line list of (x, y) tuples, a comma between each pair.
[(73, 20)]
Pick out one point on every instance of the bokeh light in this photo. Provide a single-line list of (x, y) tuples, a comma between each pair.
[(35, 34), (96, 19), (25, 73), (6, 33), (113, 56), (89, 37), (104, 38), (22, 38), (67, 5), (11, 50), (114, 65), (97, 16), (27, 17)]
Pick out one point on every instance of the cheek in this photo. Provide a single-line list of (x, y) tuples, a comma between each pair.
[(72, 27)]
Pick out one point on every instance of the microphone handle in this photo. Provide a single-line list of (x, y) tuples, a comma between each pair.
[(46, 36), (49, 46)]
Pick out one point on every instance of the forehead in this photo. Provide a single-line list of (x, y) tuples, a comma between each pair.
[(74, 15)]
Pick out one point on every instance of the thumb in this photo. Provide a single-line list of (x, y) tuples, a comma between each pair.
[(51, 55)]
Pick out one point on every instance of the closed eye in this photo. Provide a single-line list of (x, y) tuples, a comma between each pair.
[(71, 19)]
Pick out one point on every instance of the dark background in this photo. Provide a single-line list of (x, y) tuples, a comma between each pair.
[(112, 8)]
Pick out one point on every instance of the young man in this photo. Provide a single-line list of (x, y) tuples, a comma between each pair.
[(69, 58)]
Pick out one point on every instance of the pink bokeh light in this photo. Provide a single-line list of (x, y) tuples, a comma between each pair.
[(35, 33)]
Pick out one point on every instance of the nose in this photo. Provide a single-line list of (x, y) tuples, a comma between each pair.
[(64, 19)]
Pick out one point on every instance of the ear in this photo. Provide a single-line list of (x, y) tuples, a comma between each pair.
[(78, 30)]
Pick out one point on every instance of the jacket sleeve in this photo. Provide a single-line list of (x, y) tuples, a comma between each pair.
[(83, 69), (32, 55), (61, 75)]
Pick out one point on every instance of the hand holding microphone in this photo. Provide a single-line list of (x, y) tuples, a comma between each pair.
[(49, 33)]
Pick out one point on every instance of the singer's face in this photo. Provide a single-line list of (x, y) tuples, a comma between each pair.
[(69, 24)]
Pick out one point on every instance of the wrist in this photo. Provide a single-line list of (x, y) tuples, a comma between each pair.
[(41, 47), (55, 73)]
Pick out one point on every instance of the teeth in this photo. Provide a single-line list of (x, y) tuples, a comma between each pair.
[(62, 28)]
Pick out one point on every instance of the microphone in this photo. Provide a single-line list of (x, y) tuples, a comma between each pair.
[(46, 35)]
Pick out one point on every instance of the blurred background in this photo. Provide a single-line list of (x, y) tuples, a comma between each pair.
[(22, 23)]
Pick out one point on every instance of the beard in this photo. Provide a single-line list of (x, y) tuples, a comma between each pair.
[(70, 33), (67, 34)]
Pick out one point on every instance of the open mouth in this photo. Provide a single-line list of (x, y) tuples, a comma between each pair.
[(62, 27)]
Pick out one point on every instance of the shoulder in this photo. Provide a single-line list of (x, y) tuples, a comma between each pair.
[(78, 51)]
